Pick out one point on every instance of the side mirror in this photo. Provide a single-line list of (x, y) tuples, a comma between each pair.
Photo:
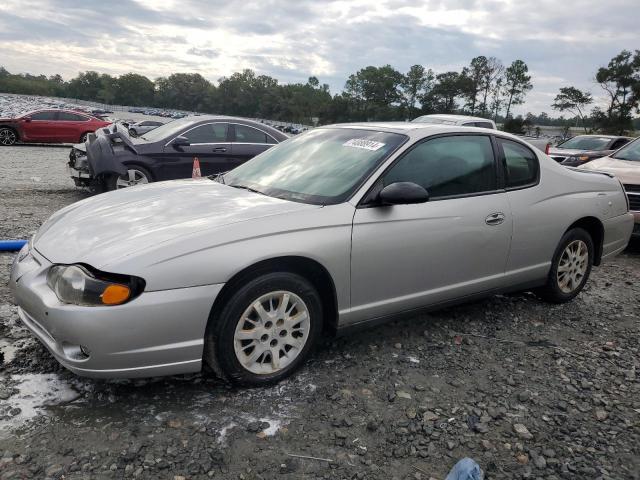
[(180, 141), (403, 193)]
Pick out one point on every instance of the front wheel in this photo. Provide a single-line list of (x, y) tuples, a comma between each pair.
[(84, 137), (570, 267), (135, 176), (265, 330), (7, 137)]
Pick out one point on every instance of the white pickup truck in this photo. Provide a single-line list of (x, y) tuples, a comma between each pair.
[(467, 121)]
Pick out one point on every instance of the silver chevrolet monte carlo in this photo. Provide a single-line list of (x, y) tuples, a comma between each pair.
[(336, 228)]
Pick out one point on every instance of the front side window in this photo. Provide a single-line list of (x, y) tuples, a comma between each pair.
[(49, 115), (448, 166), (521, 164), (208, 133), (323, 166), (246, 134)]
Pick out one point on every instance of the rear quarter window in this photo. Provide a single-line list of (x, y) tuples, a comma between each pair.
[(521, 164)]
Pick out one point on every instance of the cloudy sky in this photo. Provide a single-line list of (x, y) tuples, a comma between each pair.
[(563, 42)]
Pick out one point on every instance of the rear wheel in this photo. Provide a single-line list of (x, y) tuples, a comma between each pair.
[(132, 133), (135, 176), (570, 267), (84, 137), (7, 136), (266, 329)]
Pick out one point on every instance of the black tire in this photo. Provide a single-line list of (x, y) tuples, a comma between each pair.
[(219, 350), (84, 136), (111, 182), (132, 133), (8, 136), (552, 291)]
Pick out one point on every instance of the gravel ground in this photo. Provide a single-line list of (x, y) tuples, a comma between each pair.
[(527, 389)]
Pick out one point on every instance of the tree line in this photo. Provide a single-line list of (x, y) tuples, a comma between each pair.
[(485, 88)]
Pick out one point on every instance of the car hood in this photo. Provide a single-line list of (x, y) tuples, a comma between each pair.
[(100, 230), (568, 152), (626, 170)]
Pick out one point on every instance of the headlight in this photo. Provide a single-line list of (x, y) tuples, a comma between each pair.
[(75, 284)]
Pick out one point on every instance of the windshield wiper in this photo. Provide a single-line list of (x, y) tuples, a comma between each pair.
[(249, 189), (217, 177)]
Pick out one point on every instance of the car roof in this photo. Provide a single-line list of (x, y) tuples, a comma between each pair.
[(456, 118), (417, 130), (601, 136)]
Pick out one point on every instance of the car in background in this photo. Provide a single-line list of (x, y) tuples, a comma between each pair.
[(340, 227), (112, 159), (49, 126), (469, 121), (624, 164), (139, 128), (584, 148)]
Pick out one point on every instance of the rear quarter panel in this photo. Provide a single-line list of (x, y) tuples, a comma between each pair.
[(542, 214)]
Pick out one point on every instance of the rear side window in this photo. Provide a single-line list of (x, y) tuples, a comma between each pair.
[(448, 166), (44, 115), (521, 164), (246, 134), (71, 117), (208, 133)]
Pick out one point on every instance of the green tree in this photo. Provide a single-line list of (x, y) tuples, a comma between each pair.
[(135, 90), (375, 92), (573, 100), (415, 83), (447, 88), (476, 75), (517, 83), (621, 80)]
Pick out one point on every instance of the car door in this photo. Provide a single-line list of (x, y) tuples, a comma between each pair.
[(42, 127), (208, 143), (247, 142), (71, 125), (454, 245)]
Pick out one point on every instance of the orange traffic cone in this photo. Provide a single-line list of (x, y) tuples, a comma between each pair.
[(196, 168)]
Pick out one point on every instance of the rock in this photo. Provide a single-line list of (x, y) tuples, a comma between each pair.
[(522, 458), (372, 425), (601, 415), (524, 396), (253, 427), (522, 431), (405, 395), (398, 346), (481, 427), (53, 470), (540, 462)]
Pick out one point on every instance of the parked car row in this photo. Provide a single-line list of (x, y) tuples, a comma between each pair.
[(158, 112), (338, 228)]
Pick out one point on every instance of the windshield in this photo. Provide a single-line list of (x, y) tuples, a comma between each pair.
[(170, 129), (323, 166), (631, 151), (585, 143)]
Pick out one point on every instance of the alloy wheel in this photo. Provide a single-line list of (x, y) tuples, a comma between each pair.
[(272, 332), (7, 137), (572, 266), (131, 178)]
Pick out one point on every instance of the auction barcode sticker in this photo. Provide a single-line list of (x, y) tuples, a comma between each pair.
[(362, 143)]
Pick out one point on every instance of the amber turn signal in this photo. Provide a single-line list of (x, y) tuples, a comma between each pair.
[(115, 294)]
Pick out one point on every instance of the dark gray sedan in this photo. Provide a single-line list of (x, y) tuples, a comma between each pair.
[(112, 159), (583, 148)]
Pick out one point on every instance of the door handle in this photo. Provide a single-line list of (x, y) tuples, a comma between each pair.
[(495, 218), (220, 149)]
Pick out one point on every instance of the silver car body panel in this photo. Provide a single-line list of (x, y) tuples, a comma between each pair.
[(188, 238)]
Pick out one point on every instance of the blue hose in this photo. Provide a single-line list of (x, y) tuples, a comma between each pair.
[(11, 245)]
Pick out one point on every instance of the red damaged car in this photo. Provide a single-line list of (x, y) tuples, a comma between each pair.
[(49, 126)]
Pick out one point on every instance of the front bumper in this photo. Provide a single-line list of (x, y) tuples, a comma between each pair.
[(157, 333)]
